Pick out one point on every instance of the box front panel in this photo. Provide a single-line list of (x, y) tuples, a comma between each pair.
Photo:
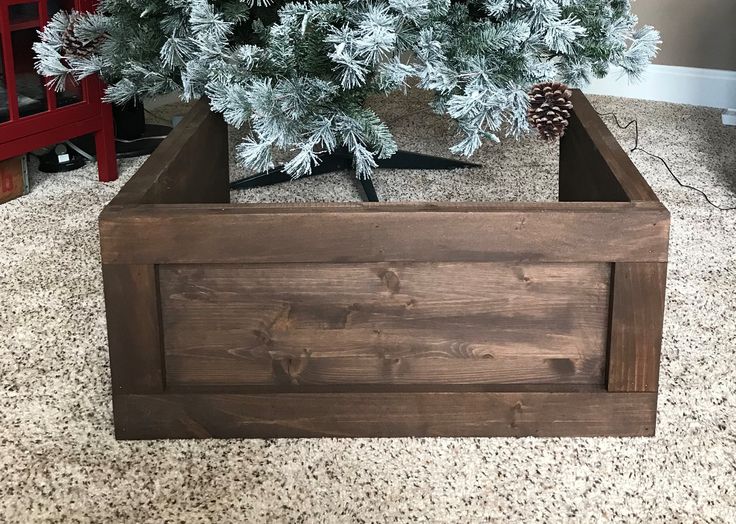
[(384, 323)]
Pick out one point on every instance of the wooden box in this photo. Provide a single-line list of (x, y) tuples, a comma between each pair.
[(406, 319), (13, 178)]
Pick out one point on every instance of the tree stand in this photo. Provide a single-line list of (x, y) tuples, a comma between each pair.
[(341, 160), (133, 136)]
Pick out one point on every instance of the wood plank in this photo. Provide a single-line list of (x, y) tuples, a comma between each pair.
[(260, 208), (551, 232), (593, 166), (204, 370), (190, 166), (384, 415), (382, 388), (133, 328), (636, 326), (584, 175), (385, 323)]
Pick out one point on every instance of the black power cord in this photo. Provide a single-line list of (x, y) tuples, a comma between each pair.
[(636, 147)]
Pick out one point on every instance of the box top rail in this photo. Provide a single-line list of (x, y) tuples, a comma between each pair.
[(551, 232)]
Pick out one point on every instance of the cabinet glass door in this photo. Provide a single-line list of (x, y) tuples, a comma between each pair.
[(22, 89), (4, 112), (29, 86)]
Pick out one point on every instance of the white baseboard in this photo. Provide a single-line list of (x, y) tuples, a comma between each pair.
[(682, 85), (729, 117)]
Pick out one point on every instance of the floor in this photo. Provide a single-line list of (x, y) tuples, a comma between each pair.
[(60, 462)]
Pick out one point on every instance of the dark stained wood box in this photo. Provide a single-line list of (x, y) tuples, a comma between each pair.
[(406, 319)]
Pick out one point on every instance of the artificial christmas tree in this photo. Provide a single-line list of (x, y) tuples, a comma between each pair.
[(298, 74)]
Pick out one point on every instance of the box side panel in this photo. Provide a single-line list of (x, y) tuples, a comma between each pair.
[(190, 166), (593, 165), (385, 323), (584, 174)]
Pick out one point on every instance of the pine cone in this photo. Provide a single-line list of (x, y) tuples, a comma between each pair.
[(549, 109), (72, 45)]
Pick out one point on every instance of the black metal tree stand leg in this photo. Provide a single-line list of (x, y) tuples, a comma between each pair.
[(342, 160)]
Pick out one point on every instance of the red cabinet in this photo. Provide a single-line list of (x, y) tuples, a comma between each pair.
[(32, 115)]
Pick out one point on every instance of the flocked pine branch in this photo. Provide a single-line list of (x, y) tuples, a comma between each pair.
[(297, 74)]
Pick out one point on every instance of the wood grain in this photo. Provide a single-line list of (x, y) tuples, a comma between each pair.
[(403, 319), (190, 166), (403, 414), (593, 166), (552, 232), (385, 323), (636, 326), (133, 328)]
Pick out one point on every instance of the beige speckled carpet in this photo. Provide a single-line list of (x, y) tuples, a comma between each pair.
[(60, 462)]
